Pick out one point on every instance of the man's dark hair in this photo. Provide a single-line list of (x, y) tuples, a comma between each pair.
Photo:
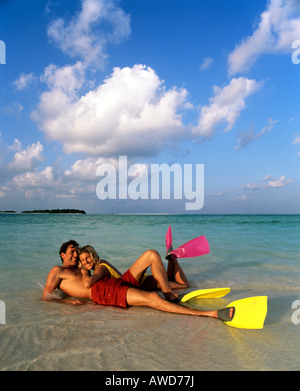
[(64, 246)]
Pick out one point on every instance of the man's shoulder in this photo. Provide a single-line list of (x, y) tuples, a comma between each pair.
[(56, 270), (62, 272)]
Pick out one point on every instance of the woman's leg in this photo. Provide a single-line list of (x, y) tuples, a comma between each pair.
[(176, 275)]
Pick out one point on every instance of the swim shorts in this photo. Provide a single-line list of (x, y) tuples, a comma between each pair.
[(112, 291)]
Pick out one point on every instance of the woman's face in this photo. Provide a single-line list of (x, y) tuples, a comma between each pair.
[(86, 261)]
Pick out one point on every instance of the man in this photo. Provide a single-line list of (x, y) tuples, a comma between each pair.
[(121, 292), (66, 277)]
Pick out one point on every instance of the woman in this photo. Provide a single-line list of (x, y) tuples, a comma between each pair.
[(89, 261)]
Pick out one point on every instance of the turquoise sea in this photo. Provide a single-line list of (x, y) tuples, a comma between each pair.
[(252, 254)]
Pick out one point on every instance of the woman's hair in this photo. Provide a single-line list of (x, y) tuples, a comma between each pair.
[(93, 254)]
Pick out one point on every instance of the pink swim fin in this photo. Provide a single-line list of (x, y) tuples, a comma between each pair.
[(194, 248), (169, 247)]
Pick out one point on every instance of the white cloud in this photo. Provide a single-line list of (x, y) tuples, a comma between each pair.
[(33, 180), (281, 182), (251, 186), (24, 81), (207, 63), (85, 170), (86, 36), (16, 145), (130, 112), (267, 177), (296, 141), (279, 25), (35, 185), (267, 183), (69, 79), (56, 183), (247, 137), (63, 84), (240, 198), (27, 159), (225, 106)]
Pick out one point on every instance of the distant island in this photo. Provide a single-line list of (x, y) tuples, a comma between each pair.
[(8, 211), (55, 211)]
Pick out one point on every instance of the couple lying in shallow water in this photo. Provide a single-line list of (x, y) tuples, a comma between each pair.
[(107, 286)]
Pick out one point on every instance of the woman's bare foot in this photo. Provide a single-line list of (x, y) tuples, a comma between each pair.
[(172, 297)]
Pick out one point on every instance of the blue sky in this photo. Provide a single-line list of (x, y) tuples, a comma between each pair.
[(187, 82)]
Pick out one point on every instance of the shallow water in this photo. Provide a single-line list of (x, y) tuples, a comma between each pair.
[(253, 255)]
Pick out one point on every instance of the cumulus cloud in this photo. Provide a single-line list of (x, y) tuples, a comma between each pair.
[(52, 182), (27, 159), (36, 185), (37, 179), (85, 170), (278, 27), (225, 106), (69, 79), (86, 36), (20, 170), (130, 112), (267, 183)]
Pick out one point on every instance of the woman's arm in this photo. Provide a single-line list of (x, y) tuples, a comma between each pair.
[(99, 273)]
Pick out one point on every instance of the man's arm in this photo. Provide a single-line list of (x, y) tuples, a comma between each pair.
[(53, 281)]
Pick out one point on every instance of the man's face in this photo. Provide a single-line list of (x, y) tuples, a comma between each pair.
[(70, 257)]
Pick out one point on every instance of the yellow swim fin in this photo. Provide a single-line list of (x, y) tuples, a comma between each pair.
[(213, 293), (249, 313)]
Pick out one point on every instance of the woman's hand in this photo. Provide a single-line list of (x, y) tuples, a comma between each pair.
[(84, 272), (86, 278)]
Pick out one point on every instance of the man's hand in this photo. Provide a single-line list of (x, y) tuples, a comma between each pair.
[(73, 301)]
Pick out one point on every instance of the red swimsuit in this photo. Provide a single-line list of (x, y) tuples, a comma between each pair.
[(112, 291)]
